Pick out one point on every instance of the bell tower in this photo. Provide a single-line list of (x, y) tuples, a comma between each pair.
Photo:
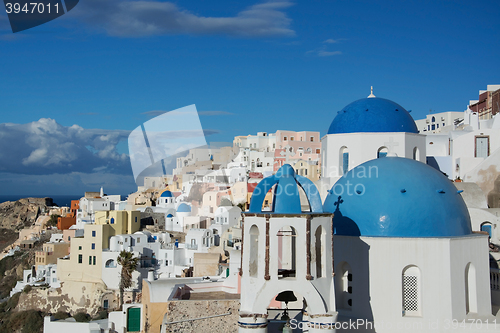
[(287, 251)]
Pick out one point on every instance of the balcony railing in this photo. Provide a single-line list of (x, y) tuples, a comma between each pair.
[(192, 246)]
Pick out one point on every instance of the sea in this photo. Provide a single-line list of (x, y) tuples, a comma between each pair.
[(59, 200)]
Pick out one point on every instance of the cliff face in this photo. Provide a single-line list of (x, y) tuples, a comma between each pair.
[(16, 215)]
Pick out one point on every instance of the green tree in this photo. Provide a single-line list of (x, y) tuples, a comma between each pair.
[(52, 222), (129, 265)]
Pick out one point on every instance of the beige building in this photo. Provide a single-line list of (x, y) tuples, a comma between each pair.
[(206, 264), (51, 252), (308, 169), (239, 192), (84, 264)]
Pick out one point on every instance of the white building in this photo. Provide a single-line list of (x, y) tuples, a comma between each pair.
[(167, 213), (37, 276), (88, 207), (286, 256), (469, 151), (225, 217), (438, 122)]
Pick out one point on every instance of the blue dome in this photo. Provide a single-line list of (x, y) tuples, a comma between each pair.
[(166, 194), (397, 197), (183, 208), (170, 216), (373, 115), (286, 196)]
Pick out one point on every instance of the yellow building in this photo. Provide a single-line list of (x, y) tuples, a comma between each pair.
[(308, 169), (85, 262), (268, 200), (121, 221)]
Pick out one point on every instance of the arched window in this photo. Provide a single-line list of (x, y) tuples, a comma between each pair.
[(433, 119), (112, 220), (110, 263), (320, 243), (416, 154), (287, 252), (411, 291), (382, 152), (470, 289), (254, 251), (344, 160)]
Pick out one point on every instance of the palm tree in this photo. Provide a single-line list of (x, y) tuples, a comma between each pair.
[(129, 265)]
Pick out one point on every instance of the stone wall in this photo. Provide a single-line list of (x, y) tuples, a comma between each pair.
[(72, 297), (182, 310)]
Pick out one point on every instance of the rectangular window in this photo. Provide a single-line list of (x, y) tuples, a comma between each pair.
[(80, 258), (93, 233), (318, 151), (93, 260), (90, 260), (312, 138), (79, 248), (138, 240), (93, 246)]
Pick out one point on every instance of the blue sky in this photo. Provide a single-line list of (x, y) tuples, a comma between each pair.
[(72, 89)]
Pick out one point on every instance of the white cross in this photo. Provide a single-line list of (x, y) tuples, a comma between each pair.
[(390, 145)]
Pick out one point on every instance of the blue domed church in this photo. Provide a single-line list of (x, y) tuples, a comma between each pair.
[(405, 256), (367, 129)]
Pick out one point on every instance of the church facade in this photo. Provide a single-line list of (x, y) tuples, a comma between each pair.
[(395, 250)]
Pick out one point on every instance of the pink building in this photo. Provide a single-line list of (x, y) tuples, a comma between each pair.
[(292, 145)]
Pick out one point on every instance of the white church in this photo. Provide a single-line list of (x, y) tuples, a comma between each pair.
[(391, 249)]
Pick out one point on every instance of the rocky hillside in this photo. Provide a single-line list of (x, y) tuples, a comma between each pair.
[(16, 215)]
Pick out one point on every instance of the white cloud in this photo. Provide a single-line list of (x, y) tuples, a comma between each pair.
[(333, 41), (134, 18), (46, 147), (322, 53)]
